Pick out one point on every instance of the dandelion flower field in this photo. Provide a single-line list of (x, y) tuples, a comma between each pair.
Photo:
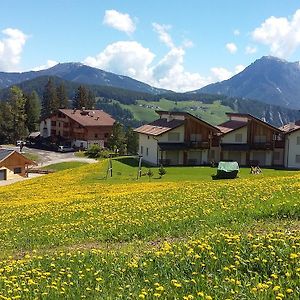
[(65, 236)]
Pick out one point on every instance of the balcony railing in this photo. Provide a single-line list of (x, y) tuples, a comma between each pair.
[(279, 144), (198, 145), (261, 146)]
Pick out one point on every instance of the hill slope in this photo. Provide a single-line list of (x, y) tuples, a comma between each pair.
[(269, 79), (79, 73)]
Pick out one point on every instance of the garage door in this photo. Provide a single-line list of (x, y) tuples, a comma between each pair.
[(2, 174)]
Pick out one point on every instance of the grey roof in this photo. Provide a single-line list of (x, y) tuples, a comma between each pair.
[(5, 153)]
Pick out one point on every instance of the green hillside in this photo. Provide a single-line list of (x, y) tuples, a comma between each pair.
[(215, 113)]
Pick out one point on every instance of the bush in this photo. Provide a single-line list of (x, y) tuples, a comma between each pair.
[(161, 171), (93, 152)]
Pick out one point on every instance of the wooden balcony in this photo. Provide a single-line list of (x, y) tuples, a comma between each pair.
[(279, 144), (261, 146), (198, 145)]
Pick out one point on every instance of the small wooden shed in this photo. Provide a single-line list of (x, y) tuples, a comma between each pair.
[(13, 164)]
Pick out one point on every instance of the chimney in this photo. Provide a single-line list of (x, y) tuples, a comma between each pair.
[(83, 108), (74, 111)]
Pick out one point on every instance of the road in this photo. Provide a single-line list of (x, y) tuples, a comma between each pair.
[(45, 158)]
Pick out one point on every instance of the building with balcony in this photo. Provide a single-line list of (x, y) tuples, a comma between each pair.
[(177, 138), (249, 141), (78, 128)]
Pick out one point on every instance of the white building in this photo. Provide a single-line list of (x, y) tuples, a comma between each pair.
[(292, 145), (177, 138)]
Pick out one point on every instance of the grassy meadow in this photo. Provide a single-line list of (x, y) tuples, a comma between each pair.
[(74, 234)]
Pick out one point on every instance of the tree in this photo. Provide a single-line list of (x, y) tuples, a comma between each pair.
[(117, 140), (50, 102), (81, 97), (91, 101), (14, 118), (161, 171), (32, 110), (132, 142), (62, 96)]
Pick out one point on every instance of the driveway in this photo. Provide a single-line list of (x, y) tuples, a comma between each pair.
[(45, 158)]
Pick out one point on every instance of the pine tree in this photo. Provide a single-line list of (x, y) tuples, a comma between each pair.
[(81, 97), (91, 101), (131, 141), (117, 140), (50, 102), (15, 116), (62, 96), (32, 110)]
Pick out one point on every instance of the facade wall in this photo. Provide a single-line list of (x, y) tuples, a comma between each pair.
[(239, 156), (164, 138), (12, 163), (292, 149), (148, 142), (197, 157), (230, 138), (10, 173), (45, 128), (265, 158)]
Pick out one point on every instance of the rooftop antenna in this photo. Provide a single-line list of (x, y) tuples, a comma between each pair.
[(139, 173)]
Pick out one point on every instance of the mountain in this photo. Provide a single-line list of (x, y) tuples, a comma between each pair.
[(79, 73), (130, 107), (268, 79)]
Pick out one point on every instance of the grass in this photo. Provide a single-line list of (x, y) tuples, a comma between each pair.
[(214, 113), (32, 156), (64, 166), (73, 235)]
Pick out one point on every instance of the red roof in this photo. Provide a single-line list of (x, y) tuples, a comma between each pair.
[(291, 127), (92, 117)]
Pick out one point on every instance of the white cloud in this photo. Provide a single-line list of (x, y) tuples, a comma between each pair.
[(239, 68), (236, 32), (187, 44), (132, 59), (163, 34), (220, 73), (50, 63), (231, 47), (119, 21), (282, 34), (250, 50), (126, 58), (11, 48)]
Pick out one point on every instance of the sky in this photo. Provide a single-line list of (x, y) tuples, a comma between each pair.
[(178, 45)]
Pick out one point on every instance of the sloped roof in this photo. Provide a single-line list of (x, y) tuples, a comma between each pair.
[(5, 153), (249, 116), (231, 125), (89, 117), (291, 127), (159, 127)]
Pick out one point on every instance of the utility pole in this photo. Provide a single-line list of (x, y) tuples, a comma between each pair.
[(139, 173)]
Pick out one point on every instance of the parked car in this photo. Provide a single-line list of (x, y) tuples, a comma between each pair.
[(18, 143), (65, 149)]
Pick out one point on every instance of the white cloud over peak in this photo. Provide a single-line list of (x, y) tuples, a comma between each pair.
[(250, 50), (50, 63), (163, 34), (119, 21), (124, 57), (282, 34), (11, 47), (231, 47), (220, 73)]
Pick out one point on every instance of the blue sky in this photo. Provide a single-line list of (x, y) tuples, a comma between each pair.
[(180, 45)]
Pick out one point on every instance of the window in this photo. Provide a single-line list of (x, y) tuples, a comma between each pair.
[(238, 137), (260, 139), (106, 135), (212, 154), (147, 151), (142, 149), (53, 132), (96, 135), (173, 136), (298, 159), (18, 170), (196, 137), (53, 123), (148, 137), (298, 140)]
